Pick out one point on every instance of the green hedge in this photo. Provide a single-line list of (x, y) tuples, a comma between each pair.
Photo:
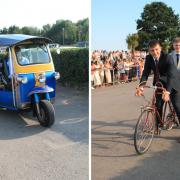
[(72, 65)]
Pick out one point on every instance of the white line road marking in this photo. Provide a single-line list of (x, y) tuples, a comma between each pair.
[(60, 146), (73, 120)]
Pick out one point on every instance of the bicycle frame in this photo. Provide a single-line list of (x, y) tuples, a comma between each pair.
[(152, 105), (172, 111)]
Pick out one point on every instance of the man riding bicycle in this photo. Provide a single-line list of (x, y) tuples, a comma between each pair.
[(156, 61)]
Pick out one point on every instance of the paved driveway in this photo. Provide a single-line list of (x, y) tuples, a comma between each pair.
[(31, 152), (114, 114)]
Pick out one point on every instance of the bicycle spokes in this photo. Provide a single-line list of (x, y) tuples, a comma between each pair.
[(144, 132)]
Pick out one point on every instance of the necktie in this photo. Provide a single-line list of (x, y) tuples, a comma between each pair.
[(177, 55), (157, 70)]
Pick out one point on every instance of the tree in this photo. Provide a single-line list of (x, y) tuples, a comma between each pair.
[(62, 32), (167, 45), (14, 30), (83, 29), (31, 31), (132, 41), (4, 30), (158, 21), (46, 29), (66, 32)]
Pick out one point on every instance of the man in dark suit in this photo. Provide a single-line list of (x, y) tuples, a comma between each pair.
[(156, 61), (173, 77)]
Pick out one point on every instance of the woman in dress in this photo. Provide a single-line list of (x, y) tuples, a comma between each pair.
[(101, 72), (107, 67), (122, 72), (97, 79), (92, 74)]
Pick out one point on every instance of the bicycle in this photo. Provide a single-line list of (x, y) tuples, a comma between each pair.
[(146, 124)]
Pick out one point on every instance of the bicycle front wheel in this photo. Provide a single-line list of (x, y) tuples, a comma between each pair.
[(144, 132)]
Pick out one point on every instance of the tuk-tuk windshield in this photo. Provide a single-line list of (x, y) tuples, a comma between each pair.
[(32, 54)]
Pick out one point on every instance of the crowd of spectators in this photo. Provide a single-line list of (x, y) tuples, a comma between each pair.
[(114, 67)]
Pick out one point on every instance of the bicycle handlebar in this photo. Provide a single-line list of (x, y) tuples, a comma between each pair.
[(153, 87)]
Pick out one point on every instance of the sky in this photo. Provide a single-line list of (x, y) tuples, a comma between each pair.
[(37, 13), (113, 20)]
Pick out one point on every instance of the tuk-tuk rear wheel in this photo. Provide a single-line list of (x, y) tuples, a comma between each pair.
[(47, 114)]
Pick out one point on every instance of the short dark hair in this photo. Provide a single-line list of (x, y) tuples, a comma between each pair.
[(176, 40), (153, 43)]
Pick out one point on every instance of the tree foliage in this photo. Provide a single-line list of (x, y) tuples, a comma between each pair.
[(132, 41), (63, 31), (158, 21)]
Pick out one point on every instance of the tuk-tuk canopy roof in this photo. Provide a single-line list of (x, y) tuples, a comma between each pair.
[(13, 39)]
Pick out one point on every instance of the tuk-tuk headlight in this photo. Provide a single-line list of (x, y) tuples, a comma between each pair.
[(57, 75), (42, 78), (23, 80)]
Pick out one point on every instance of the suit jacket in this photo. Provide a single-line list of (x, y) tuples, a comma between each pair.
[(150, 66), (173, 72)]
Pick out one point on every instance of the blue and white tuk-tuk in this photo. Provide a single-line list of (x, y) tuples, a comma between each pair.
[(27, 76)]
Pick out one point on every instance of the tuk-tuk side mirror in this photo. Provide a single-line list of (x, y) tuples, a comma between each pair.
[(57, 75)]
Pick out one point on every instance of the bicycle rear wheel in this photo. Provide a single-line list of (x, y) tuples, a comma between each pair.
[(144, 132), (169, 116)]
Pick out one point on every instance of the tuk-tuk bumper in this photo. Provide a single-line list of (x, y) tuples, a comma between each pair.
[(38, 90), (41, 90)]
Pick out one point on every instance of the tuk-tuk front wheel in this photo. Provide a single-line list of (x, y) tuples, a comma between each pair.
[(46, 115)]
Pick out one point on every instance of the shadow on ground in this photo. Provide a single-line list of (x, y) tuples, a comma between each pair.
[(106, 134), (116, 133), (13, 125), (72, 115), (163, 165), (71, 109)]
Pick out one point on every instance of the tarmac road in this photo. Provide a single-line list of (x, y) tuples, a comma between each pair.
[(114, 115), (31, 152)]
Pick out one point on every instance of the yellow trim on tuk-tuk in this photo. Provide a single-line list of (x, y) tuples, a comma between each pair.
[(33, 68)]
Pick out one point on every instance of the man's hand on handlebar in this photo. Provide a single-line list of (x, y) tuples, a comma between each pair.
[(165, 96), (139, 91)]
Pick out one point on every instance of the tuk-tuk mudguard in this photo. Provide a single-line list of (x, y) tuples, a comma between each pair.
[(38, 90)]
